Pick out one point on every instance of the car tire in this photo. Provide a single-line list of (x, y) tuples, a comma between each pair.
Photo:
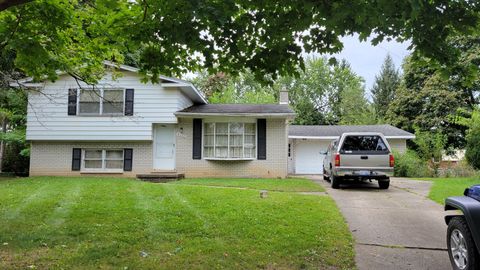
[(458, 227), (384, 184), (335, 181), (325, 177)]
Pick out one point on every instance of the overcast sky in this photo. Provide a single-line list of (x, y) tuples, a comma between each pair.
[(364, 58), (367, 59)]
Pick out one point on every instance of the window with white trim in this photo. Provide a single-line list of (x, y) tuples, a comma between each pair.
[(101, 102), (229, 140), (102, 159)]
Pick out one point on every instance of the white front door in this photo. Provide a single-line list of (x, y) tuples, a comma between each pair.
[(308, 156), (164, 147)]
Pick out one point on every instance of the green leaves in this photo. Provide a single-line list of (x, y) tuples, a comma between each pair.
[(175, 37), (473, 136), (384, 87)]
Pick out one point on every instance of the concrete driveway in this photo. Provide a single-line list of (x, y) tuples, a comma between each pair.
[(398, 228)]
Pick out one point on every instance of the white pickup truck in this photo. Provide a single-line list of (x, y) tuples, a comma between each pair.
[(359, 156)]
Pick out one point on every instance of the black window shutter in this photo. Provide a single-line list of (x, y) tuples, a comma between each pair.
[(72, 101), (76, 159), (129, 93), (127, 159), (197, 139), (261, 139)]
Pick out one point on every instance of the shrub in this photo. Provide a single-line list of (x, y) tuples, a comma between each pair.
[(14, 162), (473, 138), (430, 144), (461, 169), (408, 164)]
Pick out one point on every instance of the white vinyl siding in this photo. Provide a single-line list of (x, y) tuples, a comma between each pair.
[(229, 140), (47, 117), (399, 145)]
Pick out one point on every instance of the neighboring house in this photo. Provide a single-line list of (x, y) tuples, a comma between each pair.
[(306, 143), (125, 127), (453, 159)]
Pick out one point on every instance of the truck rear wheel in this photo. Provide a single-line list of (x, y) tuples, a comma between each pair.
[(325, 177), (384, 184), (461, 248), (334, 181)]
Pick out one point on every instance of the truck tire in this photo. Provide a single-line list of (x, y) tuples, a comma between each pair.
[(460, 237), (334, 181), (383, 184), (325, 177)]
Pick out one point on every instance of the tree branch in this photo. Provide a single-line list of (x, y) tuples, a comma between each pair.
[(4, 4)]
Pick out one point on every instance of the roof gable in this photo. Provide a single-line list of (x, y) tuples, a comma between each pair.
[(185, 86)]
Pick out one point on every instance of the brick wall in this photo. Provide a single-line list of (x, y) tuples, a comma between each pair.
[(55, 158), (274, 166)]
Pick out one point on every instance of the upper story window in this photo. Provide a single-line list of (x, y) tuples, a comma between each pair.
[(101, 102), (232, 140)]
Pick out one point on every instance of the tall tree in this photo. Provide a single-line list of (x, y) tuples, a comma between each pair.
[(384, 87), (426, 100), (243, 88), (230, 36), (13, 110), (429, 98), (308, 92), (348, 101), (472, 122), (320, 94), (325, 94)]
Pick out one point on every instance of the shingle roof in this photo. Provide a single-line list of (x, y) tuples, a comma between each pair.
[(335, 131), (238, 109)]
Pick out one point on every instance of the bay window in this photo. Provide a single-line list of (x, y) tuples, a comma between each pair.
[(229, 140), (103, 159), (101, 102)]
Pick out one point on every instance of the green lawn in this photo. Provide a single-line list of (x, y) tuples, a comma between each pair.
[(291, 184), (446, 187), (85, 223)]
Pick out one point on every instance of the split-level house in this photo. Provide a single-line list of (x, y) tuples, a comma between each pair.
[(122, 126)]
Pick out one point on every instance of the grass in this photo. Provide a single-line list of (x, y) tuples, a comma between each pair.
[(291, 184), (85, 223), (446, 187)]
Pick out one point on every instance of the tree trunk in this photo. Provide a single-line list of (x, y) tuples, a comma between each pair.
[(2, 144)]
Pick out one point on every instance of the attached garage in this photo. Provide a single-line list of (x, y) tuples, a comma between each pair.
[(306, 144), (309, 157)]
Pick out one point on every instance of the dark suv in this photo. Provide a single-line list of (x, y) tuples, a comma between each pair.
[(463, 234)]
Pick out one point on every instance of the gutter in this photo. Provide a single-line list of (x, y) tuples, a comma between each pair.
[(406, 137), (272, 115)]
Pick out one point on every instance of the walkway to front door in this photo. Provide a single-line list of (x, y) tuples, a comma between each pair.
[(164, 147)]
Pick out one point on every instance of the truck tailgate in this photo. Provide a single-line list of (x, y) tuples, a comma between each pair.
[(365, 161)]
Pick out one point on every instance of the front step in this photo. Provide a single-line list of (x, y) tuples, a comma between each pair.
[(160, 177)]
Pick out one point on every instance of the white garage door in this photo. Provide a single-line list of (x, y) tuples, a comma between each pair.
[(308, 159)]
